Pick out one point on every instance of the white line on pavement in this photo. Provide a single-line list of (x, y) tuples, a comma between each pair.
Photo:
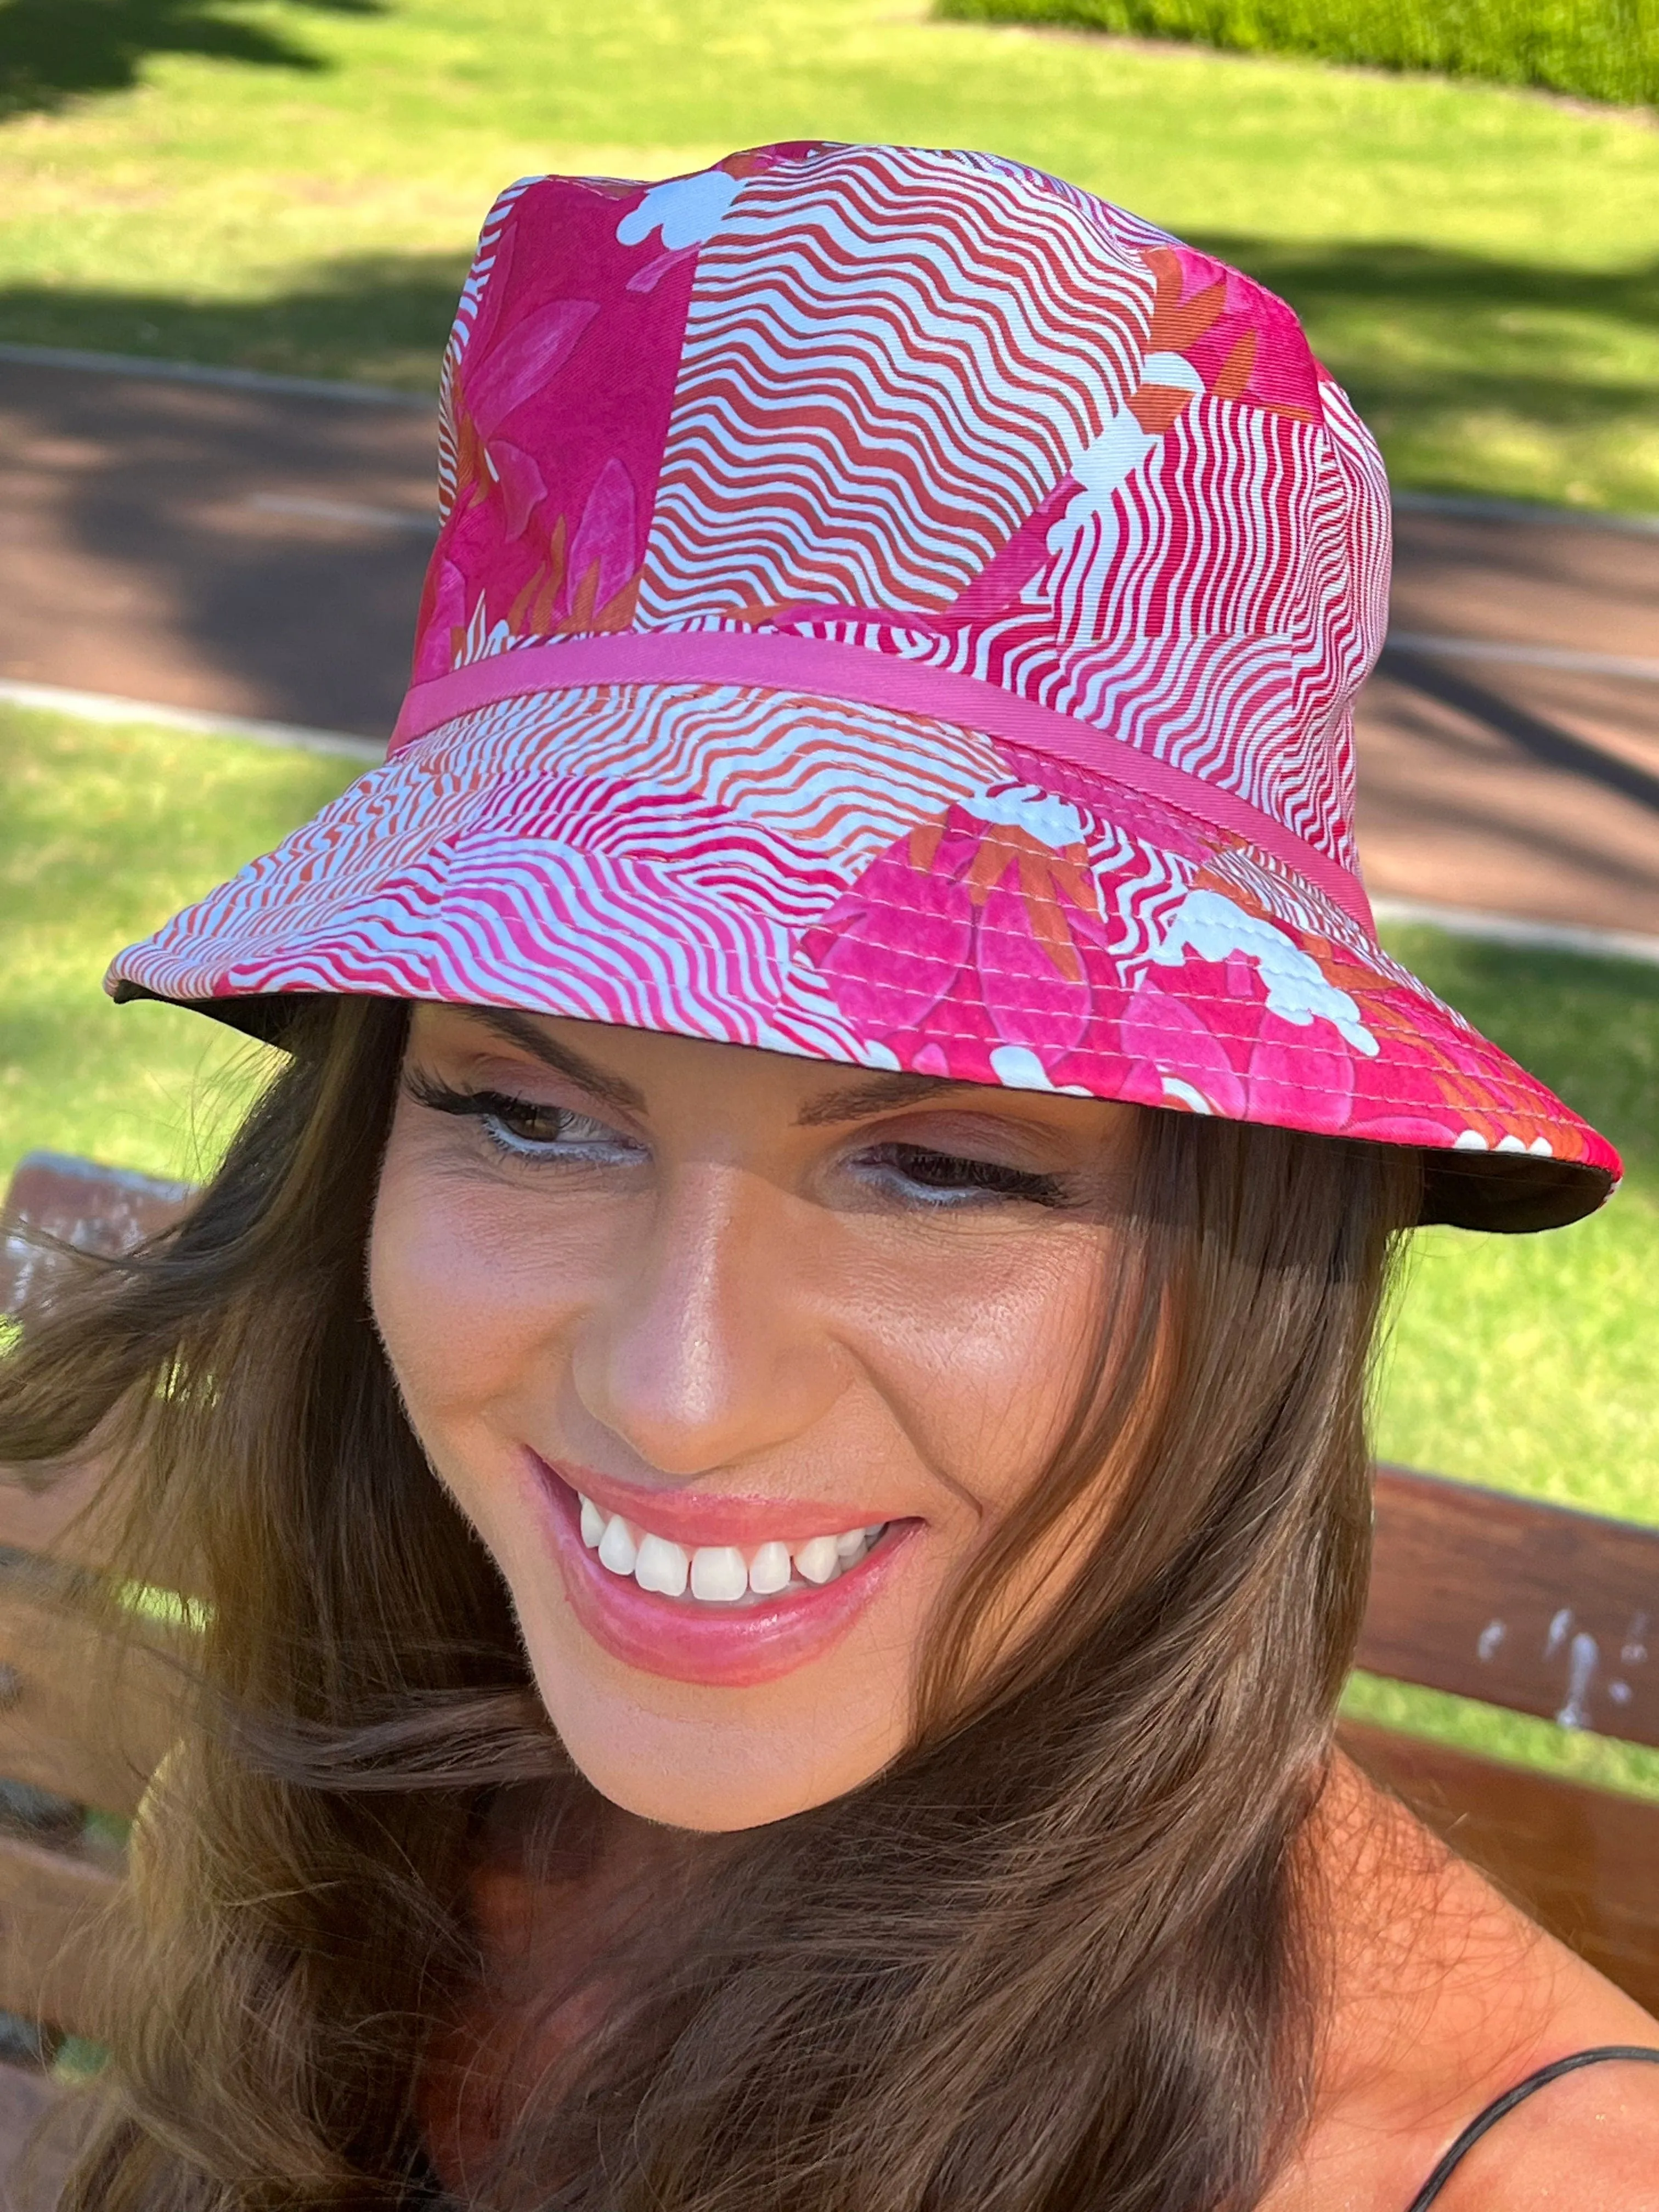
[(1526, 656), (1514, 929), (105, 707), (345, 510)]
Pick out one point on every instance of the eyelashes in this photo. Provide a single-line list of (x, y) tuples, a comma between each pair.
[(950, 1179), (526, 1130), (523, 1129)]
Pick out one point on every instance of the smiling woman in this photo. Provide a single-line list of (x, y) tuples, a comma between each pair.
[(770, 1411), (589, 1316)]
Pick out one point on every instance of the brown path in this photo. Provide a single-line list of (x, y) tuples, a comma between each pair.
[(260, 553), (136, 557), (1519, 789)]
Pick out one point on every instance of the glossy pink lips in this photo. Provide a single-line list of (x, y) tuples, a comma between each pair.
[(735, 1647)]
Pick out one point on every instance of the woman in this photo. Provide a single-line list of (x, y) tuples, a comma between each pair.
[(767, 1418)]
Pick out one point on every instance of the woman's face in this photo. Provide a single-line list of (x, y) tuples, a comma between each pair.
[(733, 1361)]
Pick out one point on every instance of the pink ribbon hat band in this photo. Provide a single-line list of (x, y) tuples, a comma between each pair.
[(814, 666), (892, 606)]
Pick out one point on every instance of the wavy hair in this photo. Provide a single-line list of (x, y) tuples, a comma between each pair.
[(1057, 1956)]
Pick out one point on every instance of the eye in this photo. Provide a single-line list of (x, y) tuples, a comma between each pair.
[(943, 1179), (528, 1128)]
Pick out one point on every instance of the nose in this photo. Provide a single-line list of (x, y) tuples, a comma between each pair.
[(708, 1348)]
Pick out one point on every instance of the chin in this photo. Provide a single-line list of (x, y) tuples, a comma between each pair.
[(717, 1762)]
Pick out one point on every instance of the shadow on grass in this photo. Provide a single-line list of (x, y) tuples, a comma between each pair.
[(1425, 337), (52, 50), (372, 317)]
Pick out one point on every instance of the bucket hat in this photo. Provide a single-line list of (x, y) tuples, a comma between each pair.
[(892, 606)]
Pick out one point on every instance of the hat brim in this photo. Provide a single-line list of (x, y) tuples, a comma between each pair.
[(873, 889)]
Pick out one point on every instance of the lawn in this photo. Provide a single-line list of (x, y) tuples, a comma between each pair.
[(294, 184), (1529, 1363)]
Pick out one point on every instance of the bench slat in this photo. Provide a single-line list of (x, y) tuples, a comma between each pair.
[(1583, 1861), (52, 1937), (68, 1722), (95, 1208), (1530, 1606)]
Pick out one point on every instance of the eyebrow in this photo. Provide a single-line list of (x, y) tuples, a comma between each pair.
[(854, 1102), (522, 1030), (851, 1101)]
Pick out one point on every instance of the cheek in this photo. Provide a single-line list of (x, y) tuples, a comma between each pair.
[(988, 1365), (466, 1315)]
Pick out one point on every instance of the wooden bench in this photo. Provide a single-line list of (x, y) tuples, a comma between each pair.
[(1527, 1608)]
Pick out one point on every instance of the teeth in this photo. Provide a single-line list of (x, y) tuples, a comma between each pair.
[(718, 1574), (617, 1550), (718, 1571), (662, 1566), (817, 1560), (769, 1571)]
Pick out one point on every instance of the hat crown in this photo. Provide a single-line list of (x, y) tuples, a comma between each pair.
[(936, 405)]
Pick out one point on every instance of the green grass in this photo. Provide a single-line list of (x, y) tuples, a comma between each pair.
[(1532, 1362), (296, 187), (1529, 1363), (1605, 48), (103, 833)]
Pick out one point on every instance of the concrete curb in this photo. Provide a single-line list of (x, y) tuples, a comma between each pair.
[(233, 379), (1514, 929), (380, 395), (103, 706)]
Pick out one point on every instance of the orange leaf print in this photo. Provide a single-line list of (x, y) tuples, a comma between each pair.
[(1235, 372), (1176, 324), (1047, 917), (1155, 406), (987, 869)]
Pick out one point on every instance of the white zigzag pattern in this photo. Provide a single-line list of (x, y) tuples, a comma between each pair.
[(840, 783), (818, 450)]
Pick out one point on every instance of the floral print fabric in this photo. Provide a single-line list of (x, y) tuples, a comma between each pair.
[(942, 409)]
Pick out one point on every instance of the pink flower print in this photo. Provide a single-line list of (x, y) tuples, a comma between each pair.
[(604, 554), (891, 947), (1178, 1060), (992, 908), (524, 362), (1250, 1026), (1438, 1082), (522, 486)]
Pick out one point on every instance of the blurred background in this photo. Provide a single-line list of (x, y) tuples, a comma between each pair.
[(231, 235)]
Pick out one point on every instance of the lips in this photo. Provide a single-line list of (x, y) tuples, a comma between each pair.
[(736, 1643)]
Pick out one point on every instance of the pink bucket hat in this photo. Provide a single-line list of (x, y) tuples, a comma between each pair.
[(892, 606)]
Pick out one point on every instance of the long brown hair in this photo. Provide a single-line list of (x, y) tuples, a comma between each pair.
[(1053, 1958)]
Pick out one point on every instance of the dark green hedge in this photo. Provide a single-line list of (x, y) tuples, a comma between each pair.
[(1603, 49)]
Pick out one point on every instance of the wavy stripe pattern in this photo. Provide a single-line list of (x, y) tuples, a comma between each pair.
[(884, 372)]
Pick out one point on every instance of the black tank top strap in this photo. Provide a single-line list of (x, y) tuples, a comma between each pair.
[(1483, 2122)]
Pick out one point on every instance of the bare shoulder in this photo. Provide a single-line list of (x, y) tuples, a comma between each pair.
[(1590, 2137), (1439, 1998)]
